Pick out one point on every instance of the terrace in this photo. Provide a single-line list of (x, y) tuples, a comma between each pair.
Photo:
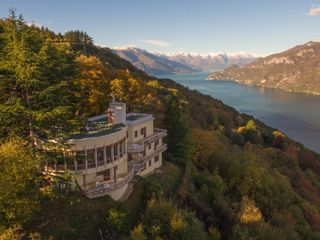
[(98, 127), (134, 118)]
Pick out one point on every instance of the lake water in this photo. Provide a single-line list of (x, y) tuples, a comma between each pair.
[(297, 115)]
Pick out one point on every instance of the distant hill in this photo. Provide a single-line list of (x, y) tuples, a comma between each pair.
[(152, 63), (297, 70), (181, 63)]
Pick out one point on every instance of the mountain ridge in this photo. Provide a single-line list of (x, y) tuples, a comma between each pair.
[(296, 69), (156, 63)]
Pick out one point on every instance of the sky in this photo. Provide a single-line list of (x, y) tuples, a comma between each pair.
[(195, 26)]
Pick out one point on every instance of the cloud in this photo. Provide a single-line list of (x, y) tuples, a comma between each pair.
[(157, 43), (314, 11)]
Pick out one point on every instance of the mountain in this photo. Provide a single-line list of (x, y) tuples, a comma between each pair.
[(211, 62), (296, 70), (152, 63), (181, 63)]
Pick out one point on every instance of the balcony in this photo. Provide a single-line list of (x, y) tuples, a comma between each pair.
[(138, 164), (135, 148), (106, 187)]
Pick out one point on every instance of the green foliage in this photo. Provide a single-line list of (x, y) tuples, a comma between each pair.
[(138, 233), (19, 187), (164, 220), (78, 37), (116, 225), (178, 132), (35, 83)]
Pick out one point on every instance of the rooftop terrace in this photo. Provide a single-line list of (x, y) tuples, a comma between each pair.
[(98, 126), (137, 117)]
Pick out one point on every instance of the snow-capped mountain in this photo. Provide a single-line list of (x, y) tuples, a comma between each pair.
[(152, 63), (181, 63)]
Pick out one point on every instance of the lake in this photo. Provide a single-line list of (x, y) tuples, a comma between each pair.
[(295, 114)]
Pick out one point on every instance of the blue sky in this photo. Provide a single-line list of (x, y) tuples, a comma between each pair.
[(202, 26)]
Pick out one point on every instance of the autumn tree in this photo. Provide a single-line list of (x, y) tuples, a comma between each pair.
[(93, 86)]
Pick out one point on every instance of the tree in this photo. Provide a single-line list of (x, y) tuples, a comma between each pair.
[(93, 86), (249, 212), (178, 131), (19, 191), (36, 83), (117, 225), (163, 219), (137, 233), (118, 89), (14, 232), (78, 37)]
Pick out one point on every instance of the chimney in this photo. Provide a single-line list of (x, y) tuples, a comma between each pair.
[(119, 111)]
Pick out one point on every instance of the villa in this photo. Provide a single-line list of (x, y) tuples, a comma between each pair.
[(112, 149)]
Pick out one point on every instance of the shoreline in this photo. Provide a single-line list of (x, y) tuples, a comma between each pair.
[(317, 94)]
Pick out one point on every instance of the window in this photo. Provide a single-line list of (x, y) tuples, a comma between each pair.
[(156, 158), (108, 154), (91, 158), (135, 133), (143, 131), (149, 146), (156, 144), (121, 148), (149, 163), (105, 174), (100, 156), (115, 147), (80, 158)]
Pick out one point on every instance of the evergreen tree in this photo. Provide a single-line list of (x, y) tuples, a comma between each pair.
[(178, 132), (36, 83)]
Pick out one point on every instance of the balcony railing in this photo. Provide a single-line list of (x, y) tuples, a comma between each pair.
[(135, 148), (107, 187), (157, 133), (138, 147), (138, 165), (159, 149)]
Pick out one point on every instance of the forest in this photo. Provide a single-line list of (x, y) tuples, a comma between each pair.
[(226, 175)]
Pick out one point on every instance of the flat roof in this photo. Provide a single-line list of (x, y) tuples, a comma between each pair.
[(98, 132), (134, 118)]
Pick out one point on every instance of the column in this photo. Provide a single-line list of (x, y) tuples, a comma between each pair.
[(95, 156), (105, 154), (112, 152), (86, 161)]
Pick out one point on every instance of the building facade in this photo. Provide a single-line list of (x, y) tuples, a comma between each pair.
[(112, 149)]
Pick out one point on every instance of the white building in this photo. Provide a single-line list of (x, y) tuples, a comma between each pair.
[(113, 149)]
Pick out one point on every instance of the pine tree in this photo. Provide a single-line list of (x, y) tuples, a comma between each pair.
[(178, 132), (36, 83)]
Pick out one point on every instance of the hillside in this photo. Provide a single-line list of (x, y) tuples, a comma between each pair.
[(225, 175), (296, 69), (181, 63)]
